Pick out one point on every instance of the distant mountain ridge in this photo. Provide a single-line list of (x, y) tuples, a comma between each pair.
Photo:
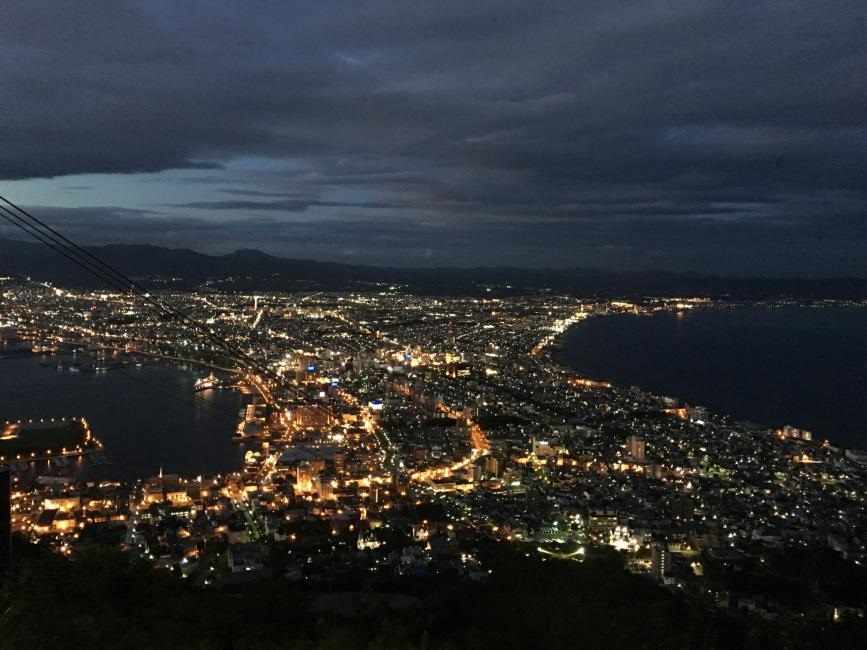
[(250, 270)]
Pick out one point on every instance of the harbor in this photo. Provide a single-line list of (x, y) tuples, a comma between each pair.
[(146, 413)]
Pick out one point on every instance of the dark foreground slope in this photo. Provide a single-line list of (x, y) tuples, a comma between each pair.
[(102, 600)]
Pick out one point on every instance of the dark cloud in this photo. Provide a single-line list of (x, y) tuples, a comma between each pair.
[(286, 205), (629, 133)]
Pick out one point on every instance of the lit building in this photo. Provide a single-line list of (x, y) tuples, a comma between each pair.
[(304, 477), (660, 561), (636, 446)]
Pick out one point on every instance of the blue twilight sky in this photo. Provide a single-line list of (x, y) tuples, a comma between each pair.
[(694, 135)]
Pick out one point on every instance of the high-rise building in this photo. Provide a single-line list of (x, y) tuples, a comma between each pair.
[(322, 485), (304, 475), (636, 448), (660, 560), (339, 460), (492, 466)]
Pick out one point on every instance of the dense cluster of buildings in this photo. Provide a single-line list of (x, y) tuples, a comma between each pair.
[(393, 432)]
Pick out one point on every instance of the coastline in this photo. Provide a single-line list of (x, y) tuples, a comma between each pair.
[(557, 350)]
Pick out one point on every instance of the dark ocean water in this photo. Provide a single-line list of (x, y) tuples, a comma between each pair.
[(805, 366), (146, 417)]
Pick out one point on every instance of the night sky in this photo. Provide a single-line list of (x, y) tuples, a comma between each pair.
[(719, 137)]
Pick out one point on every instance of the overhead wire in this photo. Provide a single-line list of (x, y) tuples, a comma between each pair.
[(105, 272), (115, 278), (70, 255)]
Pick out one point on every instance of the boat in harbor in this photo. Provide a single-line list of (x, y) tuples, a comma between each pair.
[(206, 383)]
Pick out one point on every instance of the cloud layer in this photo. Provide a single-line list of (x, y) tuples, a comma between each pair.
[(700, 135)]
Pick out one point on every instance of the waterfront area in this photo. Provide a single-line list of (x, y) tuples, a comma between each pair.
[(390, 434), (31, 441), (147, 416), (773, 364)]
